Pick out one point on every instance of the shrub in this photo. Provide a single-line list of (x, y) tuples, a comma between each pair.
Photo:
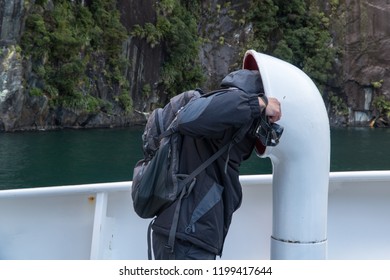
[(64, 41)]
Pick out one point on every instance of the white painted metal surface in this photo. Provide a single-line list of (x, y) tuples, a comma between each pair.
[(300, 161), (75, 222)]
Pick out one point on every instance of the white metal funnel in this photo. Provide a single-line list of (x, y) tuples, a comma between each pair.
[(300, 161)]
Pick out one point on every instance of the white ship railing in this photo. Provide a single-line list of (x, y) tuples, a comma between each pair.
[(96, 221)]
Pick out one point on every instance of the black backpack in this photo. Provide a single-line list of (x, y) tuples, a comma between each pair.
[(156, 181)]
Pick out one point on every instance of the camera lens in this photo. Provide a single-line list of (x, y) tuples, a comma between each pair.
[(269, 134)]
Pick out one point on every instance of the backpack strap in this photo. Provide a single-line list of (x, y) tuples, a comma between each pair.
[(186, 190), (149, 238), (205, 164), (170, 246), (207, 94), (173, 128), (237, 137)]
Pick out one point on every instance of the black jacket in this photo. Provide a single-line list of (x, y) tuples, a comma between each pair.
[(207, 124)]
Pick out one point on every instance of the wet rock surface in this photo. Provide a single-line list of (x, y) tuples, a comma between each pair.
[(363, 72)]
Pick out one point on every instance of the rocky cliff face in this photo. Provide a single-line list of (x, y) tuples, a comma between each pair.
[(21, 110), (224, 37), (361, 30), (145, 62), (11, 74), (366, 60)]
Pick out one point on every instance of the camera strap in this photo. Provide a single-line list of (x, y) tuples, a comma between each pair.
[(266, 133)]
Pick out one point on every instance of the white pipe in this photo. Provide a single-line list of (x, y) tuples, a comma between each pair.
[(300, 161)]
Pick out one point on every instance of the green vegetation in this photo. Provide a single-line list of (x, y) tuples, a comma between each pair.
[(338, 105), (176, 31), (298, 32), (36, 91), (70, 45), (295, 31), (377, 84), (382, 105), (380, 102)]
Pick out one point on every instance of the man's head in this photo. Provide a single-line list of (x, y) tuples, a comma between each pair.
[(246, 80)]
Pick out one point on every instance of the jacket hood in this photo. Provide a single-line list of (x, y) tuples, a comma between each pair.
[(246, 80)]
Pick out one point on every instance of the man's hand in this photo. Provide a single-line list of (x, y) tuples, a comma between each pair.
[(273, 110)]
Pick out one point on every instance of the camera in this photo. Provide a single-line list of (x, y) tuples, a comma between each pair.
[(269, 133)]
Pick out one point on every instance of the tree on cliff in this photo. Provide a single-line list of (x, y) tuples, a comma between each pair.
[(295, 31)]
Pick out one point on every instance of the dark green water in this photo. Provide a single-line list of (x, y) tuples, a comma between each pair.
[(34, 159)]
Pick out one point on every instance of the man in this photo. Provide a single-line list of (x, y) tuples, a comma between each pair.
[(207, 124)]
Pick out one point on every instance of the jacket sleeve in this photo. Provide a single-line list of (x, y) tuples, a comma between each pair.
[(210, 116)]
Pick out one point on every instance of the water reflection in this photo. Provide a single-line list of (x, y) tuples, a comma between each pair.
[(32, 159), (13, 158)]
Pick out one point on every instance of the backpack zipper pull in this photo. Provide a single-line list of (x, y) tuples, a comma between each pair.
[(190, 228)]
